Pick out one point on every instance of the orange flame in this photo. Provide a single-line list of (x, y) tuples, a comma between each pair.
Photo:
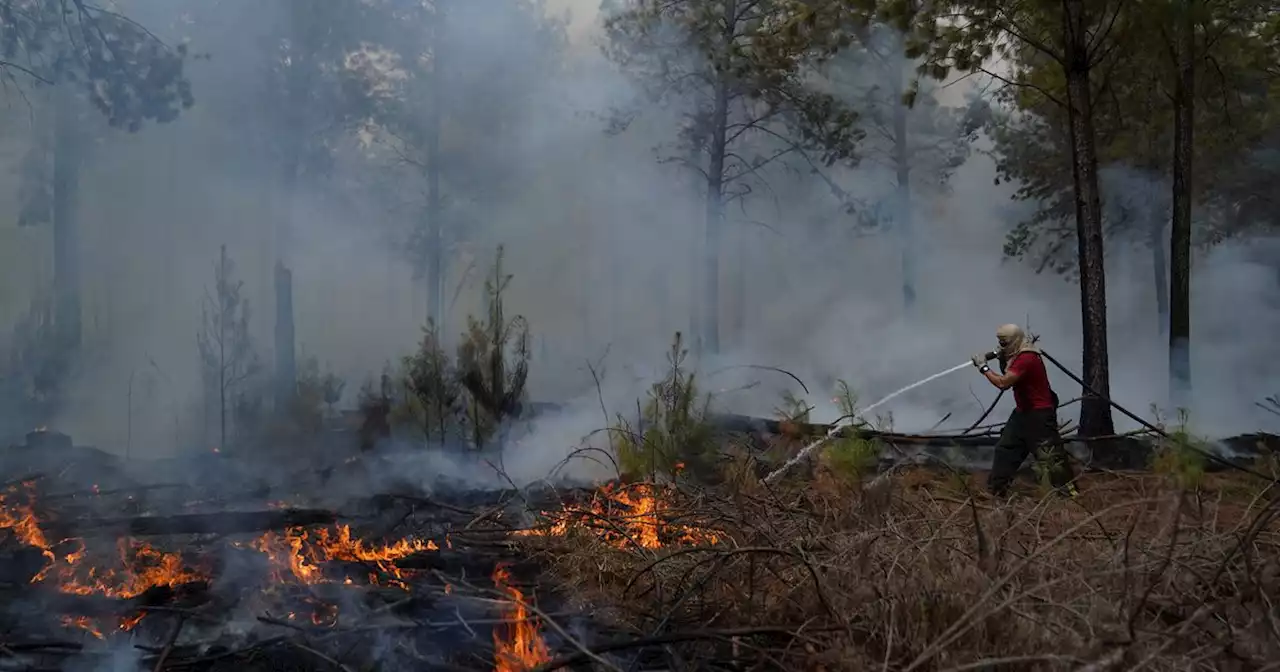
[(300, 554), (145, 567), (296, 555), (633, 512), (83, 623), (142, 566), (20, 519), (517, 647), (128, 623)]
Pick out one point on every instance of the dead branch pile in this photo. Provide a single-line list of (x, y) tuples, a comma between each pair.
[(914, 571)]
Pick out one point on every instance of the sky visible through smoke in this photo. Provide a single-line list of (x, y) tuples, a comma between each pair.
[(597, 232)]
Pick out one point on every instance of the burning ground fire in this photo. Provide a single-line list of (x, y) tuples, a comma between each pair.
[(300, 554), (146, 566), (623, 516), (632, 515), (517, 646), (295, 557)]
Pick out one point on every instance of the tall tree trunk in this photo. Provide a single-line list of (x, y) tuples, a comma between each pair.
[(286, 362), (902, 193), (66, 227), (1160, 264), (301, 115), (435, 206), (285, 342), (1180, 231), (719, 127), (223, 313), (738, 326), (1095, 411), (710, 307), (696, 255)]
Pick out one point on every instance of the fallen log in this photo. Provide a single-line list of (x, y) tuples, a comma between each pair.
[(225, 522), (1113, 452), (49, 601), (746, 424), (20, 565)]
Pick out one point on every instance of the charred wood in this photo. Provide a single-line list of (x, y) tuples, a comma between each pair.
[(226, 522)]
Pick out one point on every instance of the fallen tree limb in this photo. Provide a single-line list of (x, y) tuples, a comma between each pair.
[(229, 522)]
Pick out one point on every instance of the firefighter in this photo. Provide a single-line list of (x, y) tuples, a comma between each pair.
[(1033, 424)]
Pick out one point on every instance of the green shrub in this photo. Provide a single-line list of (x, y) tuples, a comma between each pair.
[(793, 409), (1181, 456), (672, 432), (462, 400), (431, 404), (851, 458)]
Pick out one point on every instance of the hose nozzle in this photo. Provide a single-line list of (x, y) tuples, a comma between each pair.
[(994, 354)]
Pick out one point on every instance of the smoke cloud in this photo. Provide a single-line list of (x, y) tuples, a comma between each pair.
[(600, 235)]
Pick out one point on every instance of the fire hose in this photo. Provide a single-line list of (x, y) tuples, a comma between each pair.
[(1209, 455), (1088, 390)]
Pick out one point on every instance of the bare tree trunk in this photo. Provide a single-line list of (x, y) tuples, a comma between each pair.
[(696, 256), (902, 193), (286, 364), (1095, 411), (286, 361), (435, 206), (1180, 233), (715, 190), (714, 220), (738, 326), (222, 348), (1160, 264), (66, 227)]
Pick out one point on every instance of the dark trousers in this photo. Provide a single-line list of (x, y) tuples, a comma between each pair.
[(1023, 433)]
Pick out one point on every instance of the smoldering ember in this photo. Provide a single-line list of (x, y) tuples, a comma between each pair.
[(639, 335)]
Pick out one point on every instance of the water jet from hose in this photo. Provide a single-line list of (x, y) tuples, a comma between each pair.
[(838, 427)]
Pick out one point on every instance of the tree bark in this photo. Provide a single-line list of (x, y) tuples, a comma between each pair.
[(223, 313), (298, 85), (710, 308), (1180, 230), (738, 326), (435, 206), (1160, 264), (1095, 411), (696, 256), (902, 166), (66, 227), (284, 345), (285, 342), (715, 189)]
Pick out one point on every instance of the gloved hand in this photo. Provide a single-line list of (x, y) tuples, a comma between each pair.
[(982, 358)]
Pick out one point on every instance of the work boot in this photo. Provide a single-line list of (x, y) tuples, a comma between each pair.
[(994, 495)]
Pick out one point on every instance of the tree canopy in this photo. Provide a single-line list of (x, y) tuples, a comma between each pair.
[(128, 73), (1135, 129)]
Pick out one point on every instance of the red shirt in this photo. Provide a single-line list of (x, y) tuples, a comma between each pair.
[(1032, 391)]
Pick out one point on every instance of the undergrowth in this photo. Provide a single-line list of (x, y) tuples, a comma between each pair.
[(1180, 455), (813, 575), (464, 400), (914, 572), (670, 433)]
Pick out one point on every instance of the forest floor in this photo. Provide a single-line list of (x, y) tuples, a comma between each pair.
[(828, 568), (916, 570)]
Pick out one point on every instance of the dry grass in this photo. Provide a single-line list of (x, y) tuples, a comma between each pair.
[(912, 573)]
